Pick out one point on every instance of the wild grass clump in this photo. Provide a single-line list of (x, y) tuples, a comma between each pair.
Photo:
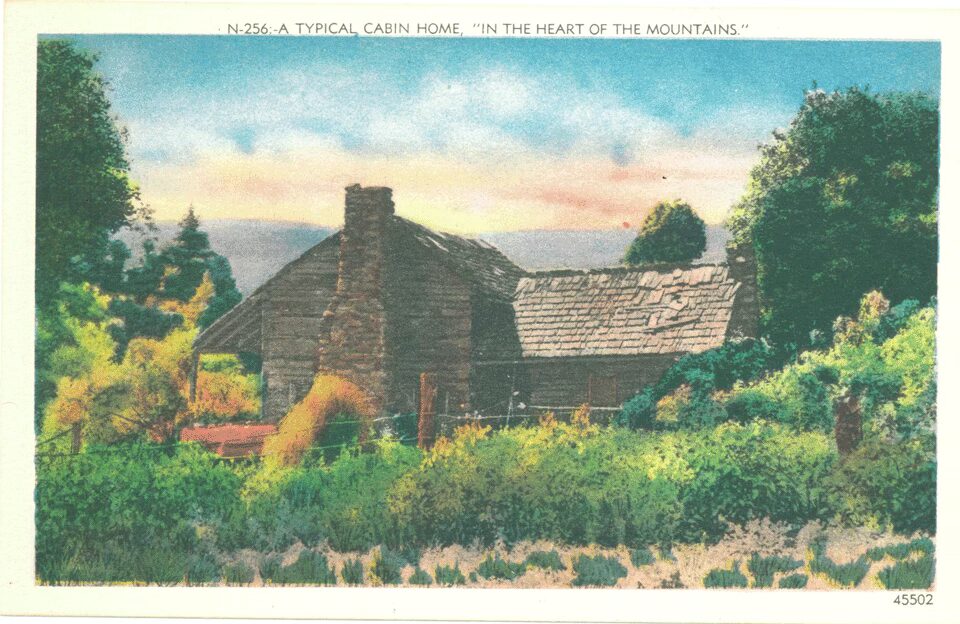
[(793, 581), (270, 566), (913, 574), (203, 569), (420, 577), (352, 572), (386, 567), (763, 568), (546, 560), (448, 577), (922, 545), (598, 571), (238, 573), (723, 578), (493, 566), (330, 395), (843, 574), (641, 557), (310, 568)]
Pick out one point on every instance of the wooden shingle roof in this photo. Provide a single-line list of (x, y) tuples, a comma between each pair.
[(476, 260), (624, 311)]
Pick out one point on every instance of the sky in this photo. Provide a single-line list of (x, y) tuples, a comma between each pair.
[(473, 135)]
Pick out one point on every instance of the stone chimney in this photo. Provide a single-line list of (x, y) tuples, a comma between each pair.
[(745, 320), (352, 336)]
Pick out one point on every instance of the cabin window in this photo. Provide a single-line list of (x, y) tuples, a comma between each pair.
[(602, 391)]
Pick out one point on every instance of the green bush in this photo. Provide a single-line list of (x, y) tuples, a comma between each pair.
[(352, 572), (556, 482), (745, 472), (238, 573), (546, 560), (641, 557), (270, 566), (722, 578), (887, 483), (203, 568), (324, 502), (913, 574), (793, 581), (310, 568), (147, 501), (114, 563), (764, 568), (343, 430), (598, 571), (387, 566), (448, 577), (493, 566), (419, 577)]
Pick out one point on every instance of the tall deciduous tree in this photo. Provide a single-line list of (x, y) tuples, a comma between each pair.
[(841, 203), (83, 193), (672, 232)]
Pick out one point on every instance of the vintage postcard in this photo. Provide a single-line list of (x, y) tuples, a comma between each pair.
[(443, 308)]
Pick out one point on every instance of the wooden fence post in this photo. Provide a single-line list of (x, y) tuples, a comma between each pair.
[(77, 437), (849, 428), (426, 411)]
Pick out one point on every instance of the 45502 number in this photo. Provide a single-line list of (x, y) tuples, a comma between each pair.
[(909, 600)]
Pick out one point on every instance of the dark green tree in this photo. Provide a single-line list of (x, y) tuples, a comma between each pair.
[(671, 233), (187, 256), (83, 193), (841, 203)]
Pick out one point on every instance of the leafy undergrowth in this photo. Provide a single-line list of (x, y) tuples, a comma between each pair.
[(597, 571), (722, 578)]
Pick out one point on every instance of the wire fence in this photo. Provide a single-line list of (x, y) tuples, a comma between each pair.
[(314, 430)]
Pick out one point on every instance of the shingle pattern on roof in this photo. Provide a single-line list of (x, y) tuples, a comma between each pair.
[(622, 312), (476, 260)]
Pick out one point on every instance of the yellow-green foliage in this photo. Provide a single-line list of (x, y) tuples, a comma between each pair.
[(609, 485), (889, 371), (225, 391), (330, 395)]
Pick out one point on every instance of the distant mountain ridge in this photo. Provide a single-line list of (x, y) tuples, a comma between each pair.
[(258, 249)]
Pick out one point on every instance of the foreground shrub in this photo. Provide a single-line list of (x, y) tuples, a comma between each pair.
[(493, 566), (113, 563), (914, 574), (556, 482), (114, 505), (888, 483), (310, 568), (420, 577), (641, 557), (745, 472), (386, 567), (203, 568), (722, 578), (238, 573), (319, 502), (352, 572), (598, 571), (270, 566), (546, 560), (448, 577), (763, 568), (793, 581), (842, 574)]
